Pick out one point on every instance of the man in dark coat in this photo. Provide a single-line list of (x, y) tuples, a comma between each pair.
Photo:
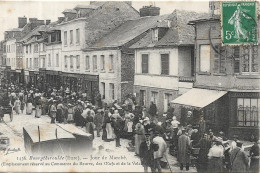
[(152, 110), (184, 150), (254, 153), (204, 146), (147, 149), (238, 158)]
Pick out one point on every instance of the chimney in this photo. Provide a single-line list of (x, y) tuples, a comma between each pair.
[(60, 19), (149, 11), (48, 22), (22, 21), (31, 20)]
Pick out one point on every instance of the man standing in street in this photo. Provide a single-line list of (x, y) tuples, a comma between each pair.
[(238, 158), (184, 150), (147, 149), (161, 153)]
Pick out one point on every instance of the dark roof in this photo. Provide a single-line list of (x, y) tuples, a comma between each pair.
[(179, 32), (128, 31), (36, 31)]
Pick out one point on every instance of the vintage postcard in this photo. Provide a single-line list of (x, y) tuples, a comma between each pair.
[(129, 86)]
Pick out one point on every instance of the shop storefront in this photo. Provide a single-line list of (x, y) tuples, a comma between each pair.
[(81, 83), (53, 79)]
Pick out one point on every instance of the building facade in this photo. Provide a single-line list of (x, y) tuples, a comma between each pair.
[(227, 77)]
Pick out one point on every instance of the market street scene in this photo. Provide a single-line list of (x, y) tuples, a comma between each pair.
[(131, 87)]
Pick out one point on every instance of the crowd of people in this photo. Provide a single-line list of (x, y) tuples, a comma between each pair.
[(150, 136)]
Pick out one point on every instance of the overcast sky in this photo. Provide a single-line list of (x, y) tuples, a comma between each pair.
[(11, 10)]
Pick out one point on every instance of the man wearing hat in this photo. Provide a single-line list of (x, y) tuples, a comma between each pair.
[(183, 150), (147, 149), (238, 158)]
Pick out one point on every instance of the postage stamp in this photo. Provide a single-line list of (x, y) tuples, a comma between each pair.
[(239, 22)]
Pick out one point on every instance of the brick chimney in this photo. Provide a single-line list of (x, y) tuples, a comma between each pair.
[(22, 21), (149, 11), (47, 22)]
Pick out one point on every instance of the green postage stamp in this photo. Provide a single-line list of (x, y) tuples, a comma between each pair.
[(239, 22)]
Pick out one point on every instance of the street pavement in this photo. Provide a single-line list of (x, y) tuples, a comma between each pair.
[(14, 130)]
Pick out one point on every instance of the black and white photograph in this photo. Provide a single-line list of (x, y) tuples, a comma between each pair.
[(129, 86)]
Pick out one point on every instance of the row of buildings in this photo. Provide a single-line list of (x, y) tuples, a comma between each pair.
[(113, 49)]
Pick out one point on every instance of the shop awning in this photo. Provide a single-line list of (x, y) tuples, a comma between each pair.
[(198, 98)]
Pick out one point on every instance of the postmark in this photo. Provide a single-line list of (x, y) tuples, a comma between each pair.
[(239, 23)]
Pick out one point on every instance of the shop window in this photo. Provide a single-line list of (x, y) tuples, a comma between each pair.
[(145, 61), (154, 97), (220, 59), (247, 112), (167, 100), (204, 58), (103, 90), (142, 98), (112, 91), (165, 64)]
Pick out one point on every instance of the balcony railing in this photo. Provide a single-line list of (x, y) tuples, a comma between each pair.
[(186, 79)]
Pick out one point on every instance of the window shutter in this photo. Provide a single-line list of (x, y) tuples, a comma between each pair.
[(144, 63), (165, 64), (216, 59), (236, 59)]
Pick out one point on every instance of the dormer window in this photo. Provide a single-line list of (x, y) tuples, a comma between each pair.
[(155, 34)]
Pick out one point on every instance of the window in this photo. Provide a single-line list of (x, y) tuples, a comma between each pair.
[(49, 60), (220, 59), (66, 61), (154, 96), (236, 59), (95, 62), (87, 62), (57, 60), (111, 63), (142, 98), (35, 62), (71, 62), (27, 63), (30, 50), (103, 90), (205, 58), (27, 49), (102, 63), (145, 65), (30, 62), (112, 91), (65, 38), (247, 112), (77, 36), (53, 37), (155, 34), (35, 48), (249, 59), (43, 62), (78, 61), (165, 64), (71, 36), (167, 99)]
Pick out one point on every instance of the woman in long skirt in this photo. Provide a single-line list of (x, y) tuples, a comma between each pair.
[(139, 137), (17, 106), (29, 106), (38, 109), (109, 129)]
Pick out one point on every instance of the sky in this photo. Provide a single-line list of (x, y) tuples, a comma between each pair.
[(46, 9)]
